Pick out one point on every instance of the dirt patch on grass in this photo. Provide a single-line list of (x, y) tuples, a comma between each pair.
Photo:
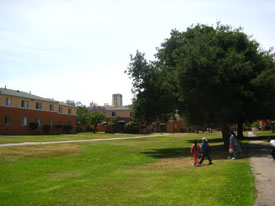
[(133, 142), (43, 151), (66, 174), (179, 162)]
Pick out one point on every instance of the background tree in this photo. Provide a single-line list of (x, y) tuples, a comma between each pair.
[(152, 96), (81, 113), (94, 118), (113, 125), (71, 102)]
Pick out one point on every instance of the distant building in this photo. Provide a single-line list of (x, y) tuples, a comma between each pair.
[(25, 113), (92, 104), (122, 114), (97, 108), (117, 100)]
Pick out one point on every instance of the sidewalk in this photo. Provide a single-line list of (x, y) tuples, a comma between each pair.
[(77, 141), (263, 167)]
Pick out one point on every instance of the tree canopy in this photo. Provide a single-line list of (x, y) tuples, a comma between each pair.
[(94, 118), (81, 112), (210, 75)]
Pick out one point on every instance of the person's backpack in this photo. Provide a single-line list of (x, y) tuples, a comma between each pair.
[(207, 147)]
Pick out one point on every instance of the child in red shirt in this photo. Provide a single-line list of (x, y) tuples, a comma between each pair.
[(195, 150)]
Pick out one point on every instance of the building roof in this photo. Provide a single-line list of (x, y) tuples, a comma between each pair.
[(17, 93), (112, 108)]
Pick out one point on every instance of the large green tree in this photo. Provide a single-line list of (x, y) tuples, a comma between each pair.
[(210, 75)]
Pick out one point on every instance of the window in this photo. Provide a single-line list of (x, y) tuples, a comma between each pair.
[(7, 120), (59, 122), (51, 107), (38, 105), (69, 123), (24, 104), (60, 109), (8, 102), (131, 114), (113, 114), (38, 121), (69, 111), (24, 121), (51, 122)]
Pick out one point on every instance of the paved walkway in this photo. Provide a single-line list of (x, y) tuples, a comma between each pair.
[(263, 168), (75, 141)]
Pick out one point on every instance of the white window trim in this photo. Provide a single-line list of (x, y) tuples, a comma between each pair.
[(38, 105), (24, 121), (52, 107), (25, 104), (38, 121), (9, 102), (9, 118)]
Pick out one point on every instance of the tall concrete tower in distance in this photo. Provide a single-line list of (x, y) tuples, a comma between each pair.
[(117, 100)]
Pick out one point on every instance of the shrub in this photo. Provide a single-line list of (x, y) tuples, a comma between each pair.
[(255, 124), (267, 127), (33, 125), (112, 126), (132, 128), (58, 126), (47, 128), (68, 127)]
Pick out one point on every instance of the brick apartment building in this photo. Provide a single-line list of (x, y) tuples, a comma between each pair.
[(20, 110), (124, 115)]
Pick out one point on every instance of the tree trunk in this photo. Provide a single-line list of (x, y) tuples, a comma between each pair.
[(225, 135), (95, 128), (240, 130)]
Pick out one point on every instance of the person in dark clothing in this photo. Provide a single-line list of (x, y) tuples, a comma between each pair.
[(205, 152)]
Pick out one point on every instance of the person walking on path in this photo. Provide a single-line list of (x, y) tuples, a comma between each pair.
[(205, 151), (233, 145), (272, 142), (195, 150)]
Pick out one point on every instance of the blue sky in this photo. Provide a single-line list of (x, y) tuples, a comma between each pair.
[(79, 49)]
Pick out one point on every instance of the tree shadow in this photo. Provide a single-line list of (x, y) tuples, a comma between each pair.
[(217, 152), (259, 149), (257, 138), (216, 140)]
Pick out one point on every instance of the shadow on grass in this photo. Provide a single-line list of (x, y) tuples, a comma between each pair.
[(216, 140), (259, 137), (217, 152)]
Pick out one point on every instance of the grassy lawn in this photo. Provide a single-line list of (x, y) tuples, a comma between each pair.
[(148, 171), (267, 133), (5, 139)]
